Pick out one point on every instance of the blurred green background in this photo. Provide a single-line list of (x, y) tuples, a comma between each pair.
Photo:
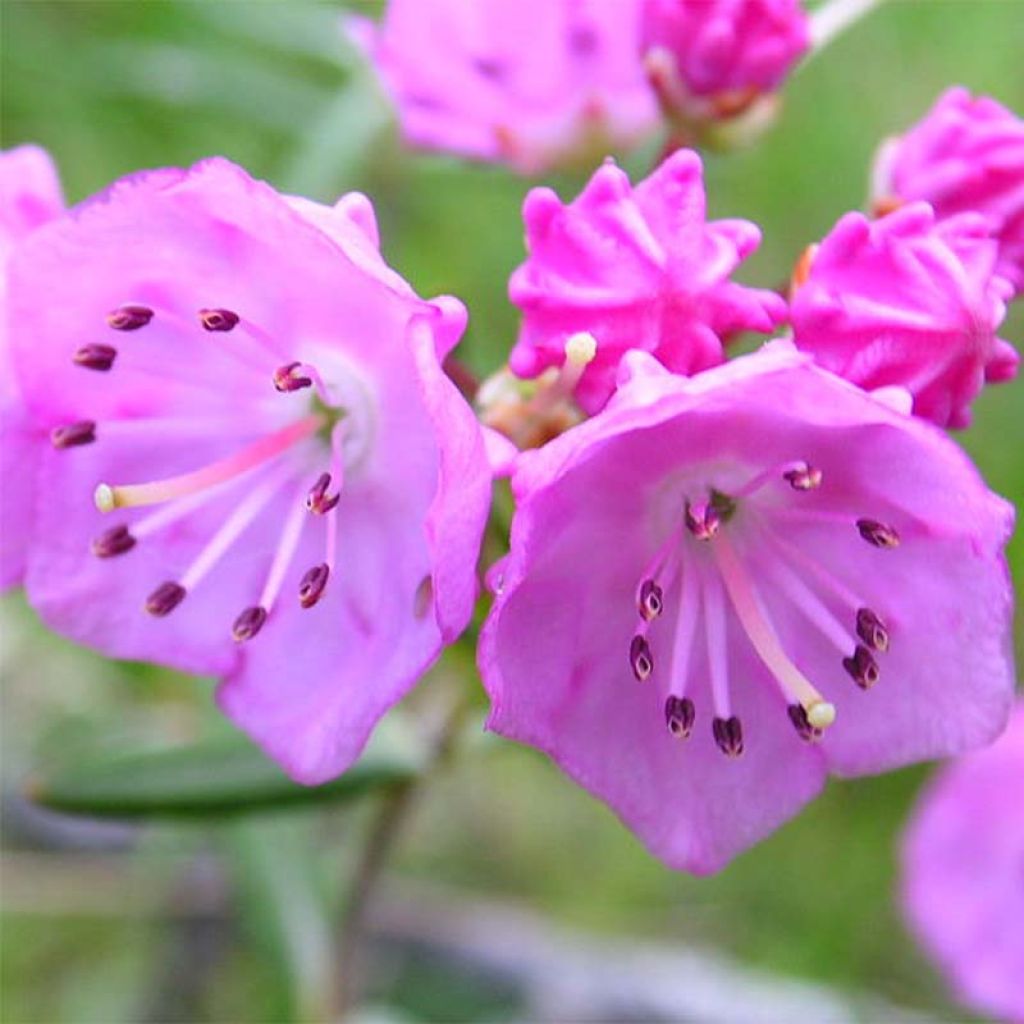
[(119, 923)]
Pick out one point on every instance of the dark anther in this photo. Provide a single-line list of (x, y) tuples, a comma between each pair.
[(73, 434), (679, 716), (640, 658), (129, 318), (312, 585), (318, 500), (115, 541), (807, 478), (286, 379), (218, 319), (806, 731), (165, 598), (652, 601), (878, 534), (728, 735), (95, 357), (249, 623), (872, 630), (862, 667), (703, 522)]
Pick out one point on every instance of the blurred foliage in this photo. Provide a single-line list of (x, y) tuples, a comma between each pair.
[(110, 87)]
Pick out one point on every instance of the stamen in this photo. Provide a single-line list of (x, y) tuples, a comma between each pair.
[(728, 735), (790, 553), (290, 534), (794, 473), (290, 378), (129, 318), (651, 602), (115, 541), (312, 585), (108, 497), (872, 630), (73, 434), (249, 623), (165, 599), (878, 534), (804, 729), (95, 357), (862, 667), (218, 319), (804, 478), (686, 624), (640, 658), (318, 501), (718, 651), (680, 715), (702, 520)]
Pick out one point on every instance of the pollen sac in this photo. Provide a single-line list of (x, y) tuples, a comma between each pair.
[(728, 735), (287, 379), (313, 584), (115, 541), (129, 318), (702, 521), (165, 598), (862, 667), (249, 623), (872, 630), (73, 434), (318, 500), (95, 357), (218, 319), (806, 731), (651, 602), (679, 716), (878, 534), (806, 478), (640, 658)]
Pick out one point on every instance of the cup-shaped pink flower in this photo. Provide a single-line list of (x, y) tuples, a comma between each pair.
[(30, 195), (964, 155), (963, 892), (910, 301), (638, 268), (254, 466), (529, 83), (722, 588)]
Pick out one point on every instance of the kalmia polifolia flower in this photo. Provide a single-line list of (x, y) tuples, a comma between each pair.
[(722, 588), (963, 874), (714, 60), (638, 268), (30, 195), (965, 154), (907, 301), (530, 83), (254, 465)]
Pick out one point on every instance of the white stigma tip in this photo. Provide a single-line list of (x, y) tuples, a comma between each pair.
[(580, 349), (104, 498), (821, 715)]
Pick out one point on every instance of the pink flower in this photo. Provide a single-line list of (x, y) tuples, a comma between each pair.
[(963, 856), (30, 195), (708, 572), (637, 268), (964, 155), (530, 83), (910, 302), (255, 400)]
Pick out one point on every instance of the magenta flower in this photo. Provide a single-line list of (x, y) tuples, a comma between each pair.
[(637, 268), (530, 83), (30, 195), (710, 571), (963, 890), (289, 493), (965, 154), (909, 302)]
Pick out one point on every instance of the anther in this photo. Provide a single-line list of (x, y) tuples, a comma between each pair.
[(115, 541), (129, 318), (872, 630), (249, 623), (728, 735), (318, 500), (73, 434), (287, 379), (165, 598), (703, 521), (679, 716), (862, 667), (312, 585), (218, 319), (878, 534), (652, 601), (640, 658), (806, 731), (805, 478), (95, 357)]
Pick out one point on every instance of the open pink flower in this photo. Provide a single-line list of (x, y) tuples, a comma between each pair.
[(963, 874), (30, 195), (637, 268), (530, 83), (708, 572), (965, 154), (910, 302), (255, 401)]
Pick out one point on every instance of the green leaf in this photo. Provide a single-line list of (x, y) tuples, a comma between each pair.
[(227, 775)]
